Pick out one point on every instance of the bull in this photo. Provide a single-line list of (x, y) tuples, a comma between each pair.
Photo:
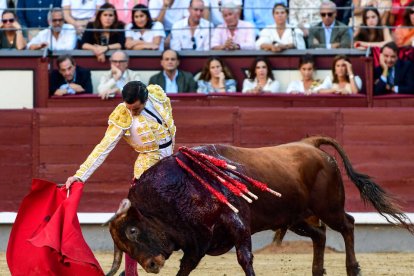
[(168, 210)]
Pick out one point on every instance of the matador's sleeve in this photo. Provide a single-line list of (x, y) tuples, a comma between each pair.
[(119, 123)]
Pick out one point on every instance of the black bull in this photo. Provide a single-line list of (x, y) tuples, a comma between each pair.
[(169, 210)]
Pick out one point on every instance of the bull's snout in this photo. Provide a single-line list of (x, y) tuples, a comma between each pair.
[(154, 265)]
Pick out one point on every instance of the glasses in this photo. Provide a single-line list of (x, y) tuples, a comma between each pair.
[(328, 14), (57, 20), (118, 61), (194, 43), (11, 20)]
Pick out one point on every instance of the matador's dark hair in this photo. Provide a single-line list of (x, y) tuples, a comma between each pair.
[(133, 91)]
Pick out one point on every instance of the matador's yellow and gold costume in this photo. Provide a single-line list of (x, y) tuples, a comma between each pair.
[(150, 133)]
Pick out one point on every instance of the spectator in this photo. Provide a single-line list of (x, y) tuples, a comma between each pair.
[(11, 35), (33, 14), (170, 78), (112, 82), (280, 36), (234, 34), (371, 33), (393, 75), (192, 32), (124, 8), (303, 14), (404, 34), (143, 33), (343, 81), (256, 12), (105, 33), (168, 12), (215, 77), (261, 78), (69, 79), (383, 7), (308, 84), (58, 37), (79, 13), (329, 33), (397, 12)]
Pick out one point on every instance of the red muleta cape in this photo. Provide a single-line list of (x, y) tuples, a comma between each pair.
[(46, 238)]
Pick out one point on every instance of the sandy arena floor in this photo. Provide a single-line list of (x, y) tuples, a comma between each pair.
[(276, 261)]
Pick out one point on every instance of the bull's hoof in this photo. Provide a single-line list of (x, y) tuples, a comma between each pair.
[(354, 270), (122, 273)]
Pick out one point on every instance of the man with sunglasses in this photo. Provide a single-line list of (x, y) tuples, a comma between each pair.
[(58, 36), (330, 33), (112, 82), (192, 32)]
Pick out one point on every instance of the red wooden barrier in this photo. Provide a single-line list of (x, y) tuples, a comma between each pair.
[(51, 143)]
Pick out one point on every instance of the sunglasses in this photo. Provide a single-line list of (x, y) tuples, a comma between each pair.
[(58, 20), (328, 14), (194, 43), (11, 20)]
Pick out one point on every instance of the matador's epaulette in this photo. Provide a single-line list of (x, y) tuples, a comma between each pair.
[(121, 117), (157, 93)]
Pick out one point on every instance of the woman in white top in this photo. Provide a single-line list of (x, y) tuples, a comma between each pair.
[(343, 81), (143, 33), (280, 36), (308, 84), (261, 78)]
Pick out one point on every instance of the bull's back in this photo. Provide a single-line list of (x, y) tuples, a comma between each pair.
[(291, 169)]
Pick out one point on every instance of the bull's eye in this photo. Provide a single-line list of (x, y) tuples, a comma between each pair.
[(132, 233)]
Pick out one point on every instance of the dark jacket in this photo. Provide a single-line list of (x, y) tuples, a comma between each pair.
[(340, 34), (83, 78), (114, 37), (185, 81), (403, 78)]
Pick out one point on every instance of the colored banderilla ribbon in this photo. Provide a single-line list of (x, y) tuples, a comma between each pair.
[(216, 193), (212, 166)]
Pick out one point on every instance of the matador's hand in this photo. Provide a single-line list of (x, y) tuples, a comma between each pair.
[(70, 181)]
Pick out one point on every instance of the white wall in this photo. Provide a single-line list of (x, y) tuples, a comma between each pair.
[(16, 89)]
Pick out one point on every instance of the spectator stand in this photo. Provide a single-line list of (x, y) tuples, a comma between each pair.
[(285, 69)]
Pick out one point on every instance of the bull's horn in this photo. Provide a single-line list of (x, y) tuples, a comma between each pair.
[(123, 208), (116, 262)]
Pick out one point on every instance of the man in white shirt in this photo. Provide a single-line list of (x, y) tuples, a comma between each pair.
[(167, 11), (192, 32), (58, 36), (112, 82)]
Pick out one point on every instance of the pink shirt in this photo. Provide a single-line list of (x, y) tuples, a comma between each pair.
[(124, 8), (244, 35)]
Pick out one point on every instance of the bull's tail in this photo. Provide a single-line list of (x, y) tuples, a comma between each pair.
[(370, 191)]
